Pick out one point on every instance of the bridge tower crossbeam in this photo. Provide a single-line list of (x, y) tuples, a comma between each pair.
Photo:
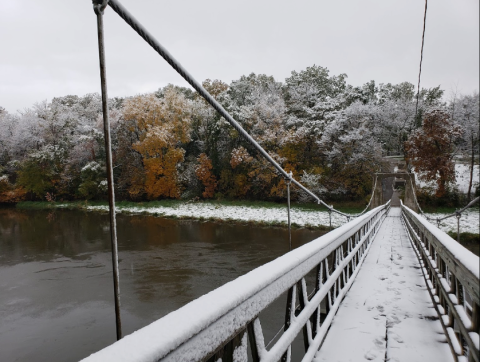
[(409, 196)]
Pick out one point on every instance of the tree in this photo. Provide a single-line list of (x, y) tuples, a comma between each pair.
[(465, 111), (210, 133), (94, 181), (9, 193), (352, 150), (430, 149), (163, 125), (204, 173), (310, 96), (40, 172)]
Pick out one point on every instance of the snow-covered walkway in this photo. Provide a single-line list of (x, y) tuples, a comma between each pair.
[(387, 315)]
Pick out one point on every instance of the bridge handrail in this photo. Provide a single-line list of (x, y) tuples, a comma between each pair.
[(198, 330), (452, 274)]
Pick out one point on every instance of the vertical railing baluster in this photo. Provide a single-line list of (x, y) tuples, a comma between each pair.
[(302, 295), (318, 285), (288, 182), (253, 342), (289, 315)]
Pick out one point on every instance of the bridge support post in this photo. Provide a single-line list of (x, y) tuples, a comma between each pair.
[(409, 197), (378, 193), (410, 187)]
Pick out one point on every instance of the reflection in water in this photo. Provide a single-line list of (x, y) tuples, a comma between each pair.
[(56, 293)]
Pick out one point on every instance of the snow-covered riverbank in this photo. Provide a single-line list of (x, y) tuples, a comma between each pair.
[(469, 221), (211, 211)]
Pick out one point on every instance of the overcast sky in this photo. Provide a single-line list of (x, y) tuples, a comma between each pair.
[(49, 47)]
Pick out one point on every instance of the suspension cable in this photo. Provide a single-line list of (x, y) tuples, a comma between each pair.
[(457, 213), (421, 59), (135, 24), (98, 7)]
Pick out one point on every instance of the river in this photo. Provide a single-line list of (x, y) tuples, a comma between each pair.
[(56, 288)]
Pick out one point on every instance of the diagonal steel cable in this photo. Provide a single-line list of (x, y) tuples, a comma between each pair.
[(150, 39), (421, 59), (456, 213), (437, 219)]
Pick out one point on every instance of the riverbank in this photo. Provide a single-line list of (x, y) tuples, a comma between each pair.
[(261, 213), (310, 216)]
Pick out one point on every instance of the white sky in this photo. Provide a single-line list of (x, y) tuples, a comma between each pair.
[(49, 47)]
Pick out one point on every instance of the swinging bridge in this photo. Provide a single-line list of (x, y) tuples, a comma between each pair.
[(388, 285)]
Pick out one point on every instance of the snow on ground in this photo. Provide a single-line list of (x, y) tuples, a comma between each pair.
[(237, 213), (462, 173), (462, 178), (469, 222)]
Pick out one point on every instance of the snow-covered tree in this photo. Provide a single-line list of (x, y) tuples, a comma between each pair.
[(465, 111), (431, 148), (352, 151)]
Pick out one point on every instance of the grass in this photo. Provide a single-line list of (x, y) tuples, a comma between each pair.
[(438, 209)]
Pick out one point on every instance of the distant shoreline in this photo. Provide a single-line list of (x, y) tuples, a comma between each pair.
[(270, 214)]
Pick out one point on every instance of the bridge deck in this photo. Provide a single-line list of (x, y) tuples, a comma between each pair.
[(387, 315)]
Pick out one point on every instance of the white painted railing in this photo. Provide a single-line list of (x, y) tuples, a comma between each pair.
[(452, 276), (220, 324)]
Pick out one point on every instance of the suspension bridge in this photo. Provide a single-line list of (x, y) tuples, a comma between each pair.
[(386, 286)]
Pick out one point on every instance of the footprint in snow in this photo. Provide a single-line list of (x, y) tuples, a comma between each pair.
[(370, 355), (397, 338), (379, 343)]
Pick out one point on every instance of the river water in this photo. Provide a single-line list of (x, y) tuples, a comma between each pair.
[(56, 288)]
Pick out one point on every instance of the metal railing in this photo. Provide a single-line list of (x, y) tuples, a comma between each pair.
[(451, 273), (221, 324), (457, 213)]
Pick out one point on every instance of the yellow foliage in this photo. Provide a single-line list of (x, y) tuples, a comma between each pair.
[(162, 124), (161, 174), (9, 193), (280, 188), (241, 185)]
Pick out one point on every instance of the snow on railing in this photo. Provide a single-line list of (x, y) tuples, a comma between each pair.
[(220, 325), (452, 276)]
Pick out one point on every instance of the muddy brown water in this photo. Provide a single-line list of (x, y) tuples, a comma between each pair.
[(56, 294)]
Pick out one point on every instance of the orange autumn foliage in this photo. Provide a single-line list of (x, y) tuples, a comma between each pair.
[(204, 174), (162, 124), (431, 148)]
